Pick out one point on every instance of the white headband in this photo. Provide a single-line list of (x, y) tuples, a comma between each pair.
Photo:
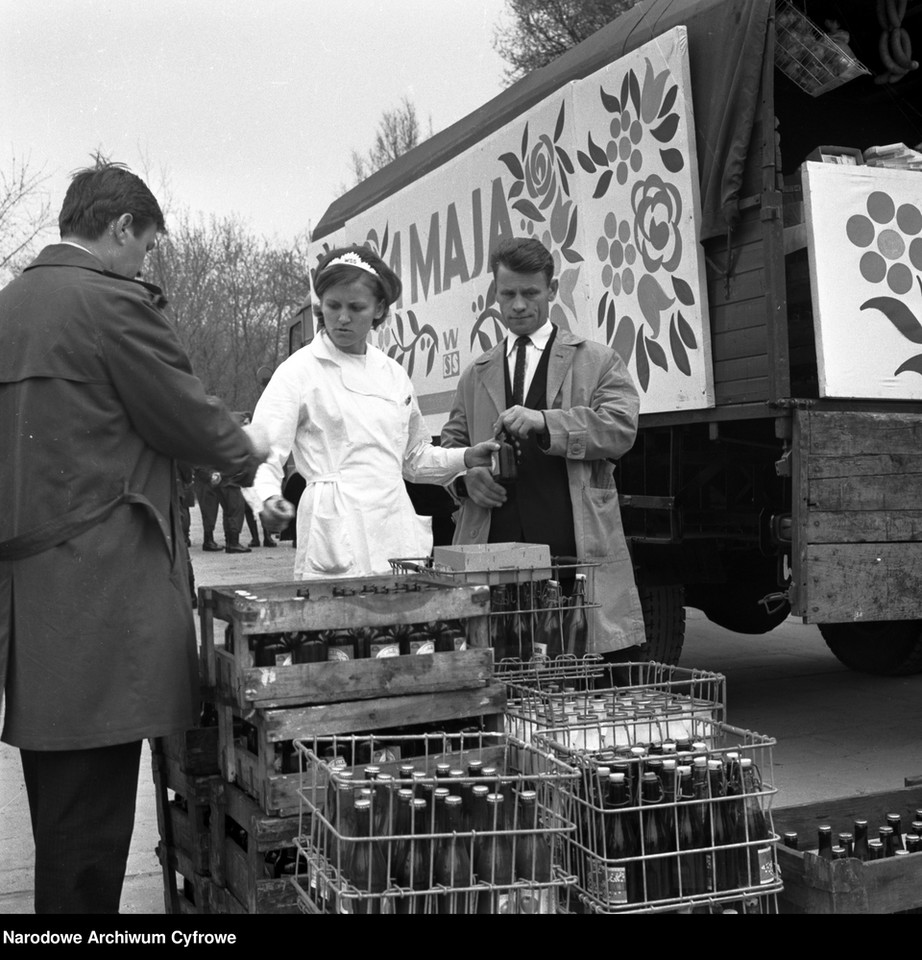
[(352, 259)]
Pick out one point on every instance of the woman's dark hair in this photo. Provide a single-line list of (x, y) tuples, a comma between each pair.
[(98, 195), (335, 268), (523, 255)]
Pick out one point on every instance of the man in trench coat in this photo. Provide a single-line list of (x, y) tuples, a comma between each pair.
[(576, 411), (97, 642)]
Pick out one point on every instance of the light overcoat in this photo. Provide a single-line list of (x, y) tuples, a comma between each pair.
[(592, 419)]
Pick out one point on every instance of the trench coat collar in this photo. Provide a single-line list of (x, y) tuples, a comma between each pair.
[(371, 380), (67, 255), (493, 374)]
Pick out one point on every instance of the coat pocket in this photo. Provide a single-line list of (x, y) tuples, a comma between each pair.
[(329, 547)]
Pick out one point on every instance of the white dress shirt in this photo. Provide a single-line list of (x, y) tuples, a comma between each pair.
[(533, 353)]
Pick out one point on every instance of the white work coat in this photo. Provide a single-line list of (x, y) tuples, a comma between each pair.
[(355, 430)]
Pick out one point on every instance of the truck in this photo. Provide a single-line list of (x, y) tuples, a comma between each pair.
[(731, 197)]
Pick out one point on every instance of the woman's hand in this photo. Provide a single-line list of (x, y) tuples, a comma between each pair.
[(276, 514), (480, 455)]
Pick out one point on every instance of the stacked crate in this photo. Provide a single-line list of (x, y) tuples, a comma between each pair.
[(254, 803)]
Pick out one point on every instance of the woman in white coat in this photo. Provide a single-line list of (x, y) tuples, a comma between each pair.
[(348, 413)]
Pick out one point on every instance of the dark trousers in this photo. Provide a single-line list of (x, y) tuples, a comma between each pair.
[(82, 804), (232, 505)]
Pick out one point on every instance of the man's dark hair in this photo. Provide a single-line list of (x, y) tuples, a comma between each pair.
[(98, 195), (523, 255)]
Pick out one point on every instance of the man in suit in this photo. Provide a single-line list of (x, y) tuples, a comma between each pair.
[(571, 407)]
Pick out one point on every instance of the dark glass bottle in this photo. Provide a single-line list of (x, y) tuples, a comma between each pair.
[(724, 862), (272, 650), (478, 818), (367, 869), (875, 850), (657, 870), (452, 863), (847, 842), (888, 840), (895, 821), (403, 826), (493, 864), (549, 632), (312, 648), (690, 838), (838, 852), (412, 872), (792, 841), (860, 847), (757, 866), (623, 882), (824, 841), (533, 859), (575, 621), (342, 645)]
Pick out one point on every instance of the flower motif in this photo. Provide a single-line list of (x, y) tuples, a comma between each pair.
[(657, 207), (540, 171)]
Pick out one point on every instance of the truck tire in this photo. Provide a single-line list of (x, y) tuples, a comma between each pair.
[(887, 648), (664, 623)]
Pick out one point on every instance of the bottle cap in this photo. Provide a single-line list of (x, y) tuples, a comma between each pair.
[(452, 801), (362, 803)]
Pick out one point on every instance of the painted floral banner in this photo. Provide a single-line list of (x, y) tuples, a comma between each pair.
[(864, 239), (604, 173)]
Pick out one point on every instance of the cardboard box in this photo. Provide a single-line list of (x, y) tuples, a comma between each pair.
[(486, 557)]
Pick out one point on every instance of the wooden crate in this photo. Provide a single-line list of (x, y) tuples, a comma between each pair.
[(187, 830), (277, 792), (185, 891), (336, 605), (195, 752), (243, 872), (815, 885)]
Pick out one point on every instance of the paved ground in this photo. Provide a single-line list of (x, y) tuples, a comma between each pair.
[(838, 733)]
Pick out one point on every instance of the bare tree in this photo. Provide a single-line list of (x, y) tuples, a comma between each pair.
[(398, 131), (542, 30), (25, 212)]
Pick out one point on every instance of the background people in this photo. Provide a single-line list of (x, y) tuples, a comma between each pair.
[(349, 415), (97, 402), (570, 407)]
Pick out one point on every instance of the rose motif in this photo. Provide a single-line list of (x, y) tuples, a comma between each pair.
[(541, 172), (657, 207)]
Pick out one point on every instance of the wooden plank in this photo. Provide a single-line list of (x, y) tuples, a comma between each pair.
[(195, 751), (745, 285), (749, 369), (736, 344), (864, 526), (742, 315), (264, 832), (740, 391), (908, 466), (893, 492), (303, 683), (384, 713), (255, 891), (847, 583), (850, 433)]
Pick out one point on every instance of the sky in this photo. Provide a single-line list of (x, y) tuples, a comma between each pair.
[(246, 108)]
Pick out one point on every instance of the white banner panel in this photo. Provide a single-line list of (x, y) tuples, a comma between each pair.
[(864, 239)]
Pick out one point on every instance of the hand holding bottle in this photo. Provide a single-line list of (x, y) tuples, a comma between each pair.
[(276, 513)]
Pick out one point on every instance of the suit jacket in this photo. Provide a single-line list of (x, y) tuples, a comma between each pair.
[(592, 414), (97, 402)]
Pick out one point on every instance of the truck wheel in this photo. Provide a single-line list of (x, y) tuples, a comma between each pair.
[(664, 623), (736, 607), (886, 648)]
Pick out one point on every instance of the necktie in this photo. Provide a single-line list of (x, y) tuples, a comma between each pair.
[(518, 379)]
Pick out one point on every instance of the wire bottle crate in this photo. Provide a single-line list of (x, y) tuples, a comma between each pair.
[(623, 704), (408, 844), (537, 613), (701, 838)]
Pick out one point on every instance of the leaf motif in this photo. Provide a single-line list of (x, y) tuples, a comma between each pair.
[(411, 357), (571, 230), (398, 319), (526, 207), (686, 332), (484, 340), (610, 322), (585, 162), (414, 324), (603, 183), (653, 300), (571, 256), (597, 153), (635, 92), (899, 315), (514, 165), (672, 159), (516, 189), (611, 103), (913, 364), (623, 343), (385, 240), (666, 130), (669, 100), (643, 364), (565, 160), (601, 311), (653, 87), (524, 149), (564, 182), (679, 353), (558, 128), (683, 291), (657, 354), (625, 90), (430, 360), (392, 352)]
